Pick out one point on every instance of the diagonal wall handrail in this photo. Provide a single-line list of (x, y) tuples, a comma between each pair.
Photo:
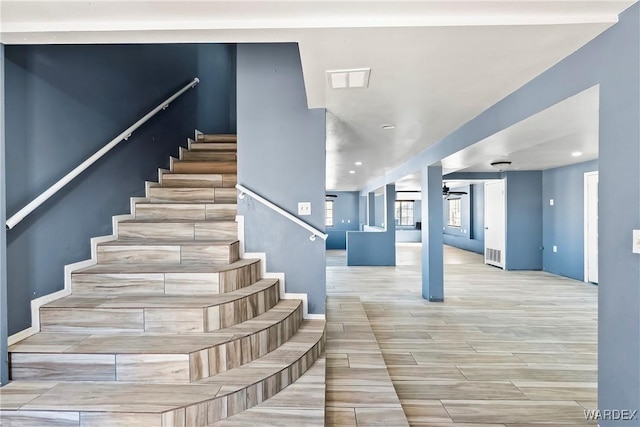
[(314, 231), (35, 203)]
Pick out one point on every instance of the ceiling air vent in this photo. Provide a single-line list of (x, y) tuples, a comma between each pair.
[(349, 79)]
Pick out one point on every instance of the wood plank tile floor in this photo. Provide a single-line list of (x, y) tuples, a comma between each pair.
[(505, 349)]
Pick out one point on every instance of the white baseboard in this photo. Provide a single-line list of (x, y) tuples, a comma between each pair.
[(262, 256)]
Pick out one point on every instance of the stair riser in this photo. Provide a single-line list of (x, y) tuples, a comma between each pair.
[(215, 156), (86, 284), (159, 320), (199, 180), (220, 230), (157, 367), (182, 166), (169, 254), (216, 139), (215, 360), (194, 195), (186, 212), (62, 367), (220, 146)]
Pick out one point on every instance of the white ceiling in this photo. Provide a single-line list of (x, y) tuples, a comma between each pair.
[(434, 64)]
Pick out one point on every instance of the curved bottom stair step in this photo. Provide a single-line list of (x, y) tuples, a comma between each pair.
[(154, 358), (300, 404), (195, 405)]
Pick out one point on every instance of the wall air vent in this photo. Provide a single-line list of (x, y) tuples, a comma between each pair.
[(349, 79)]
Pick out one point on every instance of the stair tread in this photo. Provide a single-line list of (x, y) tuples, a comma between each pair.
[(156, 398), (163, 242), (158, 301), (184, 202), (152, 343), (164, 268)]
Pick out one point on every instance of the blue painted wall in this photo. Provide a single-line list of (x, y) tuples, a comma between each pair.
[(375, 247), (4, 357), (346, 214), (524, 220), (470, 235), (477, 212), (563, 223), (216, 94), (362, 213), (66, 103), (281, 154)]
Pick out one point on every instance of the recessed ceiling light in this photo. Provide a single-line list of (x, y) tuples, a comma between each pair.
[(388, 127), (358, 163), (352, 171), (347, 79), (576, 153)]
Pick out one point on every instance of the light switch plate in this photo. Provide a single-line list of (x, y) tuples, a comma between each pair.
[(636, 241), (304, 208)]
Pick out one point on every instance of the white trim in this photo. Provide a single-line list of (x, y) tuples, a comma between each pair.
[(586, 223), (125, 135), (314, 231), (262, 256)]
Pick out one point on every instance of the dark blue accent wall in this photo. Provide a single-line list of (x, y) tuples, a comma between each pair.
[(470, 235), (281, 152), (345, 218), (66, 102), (524, 220), (563, 223), (216, 92), (4, 357)]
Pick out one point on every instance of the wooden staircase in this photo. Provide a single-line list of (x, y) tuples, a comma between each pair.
[(170, 327)]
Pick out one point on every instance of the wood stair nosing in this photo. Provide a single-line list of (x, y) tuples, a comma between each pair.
[(177, 230), (185, 211), (194, 405), (163, 358), (224, 195), (149, 251), (175, 279), (159, 314), (219, 146)]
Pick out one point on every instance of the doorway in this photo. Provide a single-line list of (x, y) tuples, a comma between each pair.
[(495, 223)]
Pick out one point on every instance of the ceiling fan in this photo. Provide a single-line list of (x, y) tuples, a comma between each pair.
[(446, 192)]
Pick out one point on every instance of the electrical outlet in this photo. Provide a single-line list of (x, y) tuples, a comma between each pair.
[(555, 248), (304, 208), (551, 202), (636, 241)]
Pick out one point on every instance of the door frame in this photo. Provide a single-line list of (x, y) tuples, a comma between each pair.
[(586, 222)]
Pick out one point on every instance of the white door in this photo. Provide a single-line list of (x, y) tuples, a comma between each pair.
[(494, 223), (591, 227)]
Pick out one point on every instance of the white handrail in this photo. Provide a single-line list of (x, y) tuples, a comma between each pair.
[(22, 213), (315, 232)]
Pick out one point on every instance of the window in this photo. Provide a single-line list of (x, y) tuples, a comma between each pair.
[(454, 213), (404, 212), (328, 213)]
